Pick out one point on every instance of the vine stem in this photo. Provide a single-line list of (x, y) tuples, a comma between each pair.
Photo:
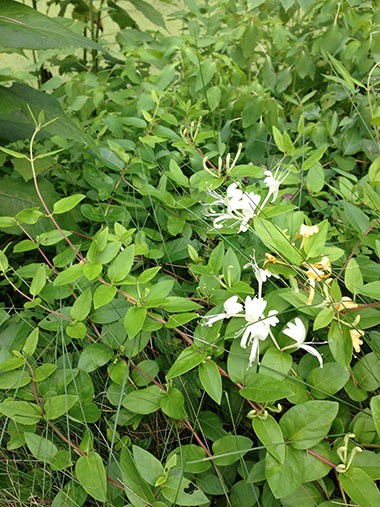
[(48, 212)]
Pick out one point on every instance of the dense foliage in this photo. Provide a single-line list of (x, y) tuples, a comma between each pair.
[(189, 254)]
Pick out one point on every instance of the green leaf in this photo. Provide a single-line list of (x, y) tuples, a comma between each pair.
[(149, 11), (186, 361), (149, 467), (145, 401), (134, 320), (26, 28), (136, 489), (69, 275), (3, 262), (328, 380), (375, 410), (355, 217), (276, 241), (374, 172), (91, 475), (173, 404), (270, 434), (360, 487), (121, 266), (148, 274), (180, 491), (67, 203), (41, 448), (229, 449), (21, 412), (287, 478), (56, 406), (16, 122), (315, 179), (14, 379), (307, 424), (91, 270), (94, 356), (31, 342), (211, 380), (180, 319), (371, 290), (103, 295), (353, 277), (278, 139), (179, 304), (265, 389), (323, 319), (340, 343), (12, 364), (231, 268), (82, 306), (38, 281)]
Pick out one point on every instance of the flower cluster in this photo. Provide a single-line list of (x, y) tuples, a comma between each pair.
[(259, 323), (240, 207)]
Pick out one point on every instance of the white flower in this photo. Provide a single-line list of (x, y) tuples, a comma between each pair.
[(273, 182), (297, 332), (258, 327), (231, 309), (239, 206), (261, 274)]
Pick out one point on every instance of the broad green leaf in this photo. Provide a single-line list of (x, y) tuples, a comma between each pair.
[(323, 319), (147, 370), (231, 268), (375, 410), (371, 289), (67, 203), (360, 487), (72, 495), (179, 304), (186, 361), (367, 372), (56, 406), (315, 180), (270, 434), (69, 275), (3, 262), (149, 11), (277, 241), (15, 119), (148, 275), (26, 28), (353, 277), (180, 491), (12, 364), (38, 281), (275, 363), (149, 467), (134, 320), (41, 448), (328, 380), (278, 139), (92, 271), (287, 478), (14, 379), (172, 403), (121, 266), (307, 424), (94, 356), (145, 401), (136, 489), (91, 475), (211, 380), (29, 216), (229, 449), (31, 342), (180, 319), (340, 343), (21, 412), (103, 295), (265, 389), (191, 458), (355, 217), (82, 306)]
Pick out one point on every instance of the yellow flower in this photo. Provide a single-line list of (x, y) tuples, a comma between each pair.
[(317, 272), (308, 230), (345, 303), (356, 335)]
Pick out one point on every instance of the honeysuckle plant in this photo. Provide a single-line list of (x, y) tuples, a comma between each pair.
[(189, 253)]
